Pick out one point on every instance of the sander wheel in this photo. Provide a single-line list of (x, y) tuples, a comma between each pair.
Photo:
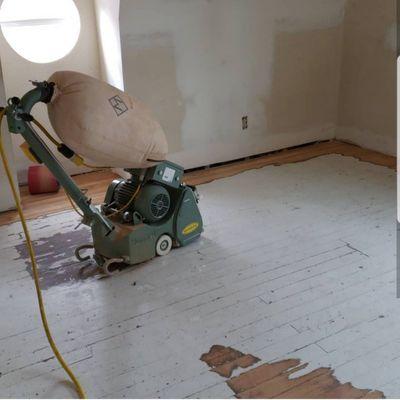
[(163, 245)]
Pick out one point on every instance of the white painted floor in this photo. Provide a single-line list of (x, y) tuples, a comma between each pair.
[(295, 261)]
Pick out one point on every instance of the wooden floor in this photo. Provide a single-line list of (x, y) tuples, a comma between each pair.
[(97, 182), (273, 380), (296, 262)]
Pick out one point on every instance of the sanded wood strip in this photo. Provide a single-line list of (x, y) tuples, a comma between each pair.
[(293, 155), (39, 205), (274, 380), (224, 360), (97, 182)]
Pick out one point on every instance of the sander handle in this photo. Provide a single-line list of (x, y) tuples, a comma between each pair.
[(19, 119)]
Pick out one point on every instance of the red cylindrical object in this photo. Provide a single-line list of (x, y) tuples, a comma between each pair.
[(41, 180)]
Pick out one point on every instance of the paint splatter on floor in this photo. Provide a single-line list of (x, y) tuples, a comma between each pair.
[(56, 260), (272, 380)]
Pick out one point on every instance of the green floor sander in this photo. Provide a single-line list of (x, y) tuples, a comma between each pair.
[(141, 217)]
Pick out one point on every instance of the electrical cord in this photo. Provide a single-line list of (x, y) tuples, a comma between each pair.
[(46, 132), (126, 205), (73, 205), (29, 245), (78, 160), (75, 158), (57, 144)]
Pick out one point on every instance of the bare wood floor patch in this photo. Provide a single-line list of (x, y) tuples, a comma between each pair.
[(97, 182), (273, 380), (224, 360)]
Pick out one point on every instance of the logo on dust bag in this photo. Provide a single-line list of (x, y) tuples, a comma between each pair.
[(190, 228), (118, 105)]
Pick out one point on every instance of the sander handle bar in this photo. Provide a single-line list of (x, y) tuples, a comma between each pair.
[(19, 122)]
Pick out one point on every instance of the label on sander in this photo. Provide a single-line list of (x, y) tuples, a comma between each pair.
[(168, 175)]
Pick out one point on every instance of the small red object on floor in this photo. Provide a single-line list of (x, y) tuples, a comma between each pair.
[(41, 180)]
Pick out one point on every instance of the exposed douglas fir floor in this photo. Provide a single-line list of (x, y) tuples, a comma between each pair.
[(297, 261), (96, 182)]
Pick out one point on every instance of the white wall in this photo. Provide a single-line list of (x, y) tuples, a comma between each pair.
[(17, 72), (367, 100), (398, 148), (6, 198), (107, 17), (203, 64)]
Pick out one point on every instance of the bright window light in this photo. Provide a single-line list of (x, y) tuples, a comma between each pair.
[(41, 31)]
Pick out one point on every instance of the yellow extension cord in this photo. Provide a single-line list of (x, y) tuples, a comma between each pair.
[(78, 160), (29, 245), (73, 205), (127, 204), (57, 144)]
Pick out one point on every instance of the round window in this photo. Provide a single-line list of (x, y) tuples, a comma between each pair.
[(41, 31)]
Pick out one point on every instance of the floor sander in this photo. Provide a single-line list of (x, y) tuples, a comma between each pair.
[(142, 216)]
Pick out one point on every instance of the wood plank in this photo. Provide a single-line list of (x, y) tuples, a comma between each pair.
[(39, 205), (275, 380), (291, 155), (277, 288)]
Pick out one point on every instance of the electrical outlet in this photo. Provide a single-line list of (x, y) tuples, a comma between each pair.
[(244, 122)]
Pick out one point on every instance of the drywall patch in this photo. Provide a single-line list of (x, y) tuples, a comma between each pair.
[(151, 58), (305, 80), (271, 380)]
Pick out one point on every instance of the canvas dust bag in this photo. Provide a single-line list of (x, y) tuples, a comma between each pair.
[(104, 124)]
